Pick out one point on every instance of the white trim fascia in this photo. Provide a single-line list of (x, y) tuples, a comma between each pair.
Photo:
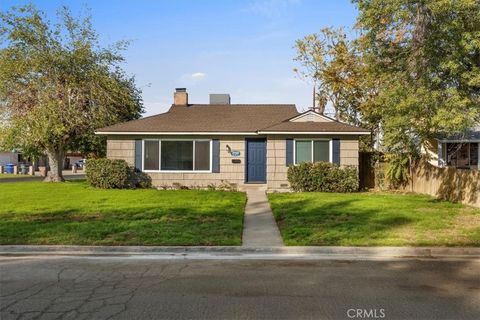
[(231, 133), (300, 116), (175, 133), (330, 151), (314, 133)]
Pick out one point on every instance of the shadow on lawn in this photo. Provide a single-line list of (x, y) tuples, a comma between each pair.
[(306, 222)]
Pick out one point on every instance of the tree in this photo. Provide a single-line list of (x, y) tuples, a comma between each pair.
[(426, 55), (57, 85), (332, 63)]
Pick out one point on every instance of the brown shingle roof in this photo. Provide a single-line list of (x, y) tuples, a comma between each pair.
[(334, 126), (204, 118), (209, 118)]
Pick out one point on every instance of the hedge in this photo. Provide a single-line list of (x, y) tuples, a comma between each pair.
[(323, 177), (114, 174)]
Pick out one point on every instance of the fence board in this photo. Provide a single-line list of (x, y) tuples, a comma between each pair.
[(457, 185)]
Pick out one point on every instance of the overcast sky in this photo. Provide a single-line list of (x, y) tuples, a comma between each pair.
[(240, 47)]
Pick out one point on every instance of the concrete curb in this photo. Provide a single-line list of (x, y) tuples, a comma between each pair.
[(225, 252)]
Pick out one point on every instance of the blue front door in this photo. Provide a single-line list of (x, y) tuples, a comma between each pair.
[(256, 160)]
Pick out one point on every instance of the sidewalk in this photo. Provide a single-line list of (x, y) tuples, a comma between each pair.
[(259, 226)]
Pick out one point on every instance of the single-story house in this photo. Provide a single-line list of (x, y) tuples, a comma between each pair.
[(10, 157), (207, 144), (460, 151)]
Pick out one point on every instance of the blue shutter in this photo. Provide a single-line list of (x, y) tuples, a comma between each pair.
[(138, 155), (289, 159), (336, 151), (441, 160), (216, 155)]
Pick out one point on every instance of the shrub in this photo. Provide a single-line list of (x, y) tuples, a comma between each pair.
[(397, 169), (114, 174), (323, 176), (140, 180)]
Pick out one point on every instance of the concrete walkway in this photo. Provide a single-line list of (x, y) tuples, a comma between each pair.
[(259, 226)]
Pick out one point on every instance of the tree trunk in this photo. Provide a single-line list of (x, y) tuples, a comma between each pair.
[(55, 160)]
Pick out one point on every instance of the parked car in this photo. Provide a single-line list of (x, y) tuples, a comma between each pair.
[(80, 163)]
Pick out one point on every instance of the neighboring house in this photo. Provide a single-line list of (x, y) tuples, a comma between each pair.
[(9, 157), (204, 144), (459, 151)]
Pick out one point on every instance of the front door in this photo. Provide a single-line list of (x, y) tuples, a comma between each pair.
[(256, 161)]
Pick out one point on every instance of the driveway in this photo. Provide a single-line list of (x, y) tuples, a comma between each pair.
[(148, 288)]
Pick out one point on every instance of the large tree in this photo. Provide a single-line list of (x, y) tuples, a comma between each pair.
[(426, 56), (57, 85), (330, 61)]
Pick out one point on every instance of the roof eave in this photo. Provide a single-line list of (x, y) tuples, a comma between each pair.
[(315, 132), (235, 133)]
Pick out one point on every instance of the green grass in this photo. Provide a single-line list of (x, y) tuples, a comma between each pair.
[(10, 176), (374, 219), (74, 213)]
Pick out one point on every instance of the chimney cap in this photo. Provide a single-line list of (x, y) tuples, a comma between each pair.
[(180, 89)]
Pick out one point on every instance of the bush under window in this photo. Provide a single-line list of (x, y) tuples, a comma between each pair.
[(323, 177), (114, 174)]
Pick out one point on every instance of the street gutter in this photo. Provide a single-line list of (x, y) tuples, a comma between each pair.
[(247, 253)]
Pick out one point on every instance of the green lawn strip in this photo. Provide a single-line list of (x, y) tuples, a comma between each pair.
[(373, 219), (11, 176), (74, 213)]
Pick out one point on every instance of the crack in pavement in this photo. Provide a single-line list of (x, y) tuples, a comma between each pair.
[(103, 292)]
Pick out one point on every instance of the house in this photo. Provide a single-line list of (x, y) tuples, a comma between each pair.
[(10, 157), (205, 144), (460, 151)]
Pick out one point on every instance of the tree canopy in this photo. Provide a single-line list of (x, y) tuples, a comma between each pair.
[(412, 74), (426, 57), (57, 85)]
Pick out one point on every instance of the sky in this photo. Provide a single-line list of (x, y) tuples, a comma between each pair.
[(240, 47)]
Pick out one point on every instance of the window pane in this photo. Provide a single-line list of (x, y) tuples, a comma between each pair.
[(474, 154), (452, 149), (303, 151), (321, 151), (177, 155), (150, 155), (462, 156), (202, 155)]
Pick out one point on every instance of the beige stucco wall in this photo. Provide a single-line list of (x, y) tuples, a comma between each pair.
[(229, 172), (276, 158), (124, 148), (121, 148)]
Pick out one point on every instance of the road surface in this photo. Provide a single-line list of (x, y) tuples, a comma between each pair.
[(148, 288)]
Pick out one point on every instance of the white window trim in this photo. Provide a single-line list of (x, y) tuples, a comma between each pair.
[(175, 171), (330, 149)]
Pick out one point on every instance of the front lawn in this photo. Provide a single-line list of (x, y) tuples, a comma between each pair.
[(11, 176), (374, 219), (74, 213)]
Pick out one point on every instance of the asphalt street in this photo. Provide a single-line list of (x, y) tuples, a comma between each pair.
[(148, 288)]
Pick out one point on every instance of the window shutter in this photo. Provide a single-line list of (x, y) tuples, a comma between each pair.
[(138, 155), (336, 151), (216, 155), (441, 160), (289, 159)]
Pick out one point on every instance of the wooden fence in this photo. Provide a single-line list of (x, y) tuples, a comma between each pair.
[(366, 171), (457, 185)]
